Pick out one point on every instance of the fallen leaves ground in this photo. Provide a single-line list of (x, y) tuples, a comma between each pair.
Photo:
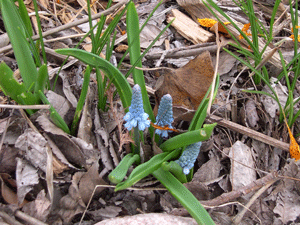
[(240, 176)]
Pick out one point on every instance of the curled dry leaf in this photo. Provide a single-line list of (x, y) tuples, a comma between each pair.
[(7, 193), (270, 105), (286, 195), (8, 159), (69, 149), (88, 183), (39, 208), (61, 105), (241, 175), (187, 85), (27, 178), (34, 146), (149, 33), (209, 170), (251, 113)]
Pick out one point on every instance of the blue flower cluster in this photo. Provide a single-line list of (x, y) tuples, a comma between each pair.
[(164, 115), (189, 156), (136, 115)]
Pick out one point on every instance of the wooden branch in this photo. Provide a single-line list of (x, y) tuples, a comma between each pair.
[(230, 196), (249, 132)]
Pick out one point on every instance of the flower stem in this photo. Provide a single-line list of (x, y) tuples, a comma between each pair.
[(136, 148)]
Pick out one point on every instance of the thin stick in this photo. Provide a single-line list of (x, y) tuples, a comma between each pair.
[(64, 37), (238, 218), (255, 185), (249, 132), (5, 106), (213, 84)]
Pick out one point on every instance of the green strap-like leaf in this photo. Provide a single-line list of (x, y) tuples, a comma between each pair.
[(16, 33), (118, 174), (146, 168), (188, 138), (133, 33), (184, 196), (9, 85), (81, 101), (112, 72)]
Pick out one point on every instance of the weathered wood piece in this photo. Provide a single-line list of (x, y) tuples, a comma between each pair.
[(189, 28), (197, 9)]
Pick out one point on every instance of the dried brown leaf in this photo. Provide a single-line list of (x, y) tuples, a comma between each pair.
[(189, 84)]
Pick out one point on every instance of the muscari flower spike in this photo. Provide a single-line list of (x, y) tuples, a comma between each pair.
[(136, 115), (164, 115), (188, 157)]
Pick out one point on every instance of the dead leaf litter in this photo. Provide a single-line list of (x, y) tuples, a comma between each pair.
[(248, 151)]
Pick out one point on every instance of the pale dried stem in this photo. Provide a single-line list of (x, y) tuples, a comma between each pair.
[(255, 185), (238, 218), (28, 219), (218, 42), (5, 106), (250, 133)]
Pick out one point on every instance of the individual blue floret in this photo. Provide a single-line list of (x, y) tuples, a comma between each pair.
[(188, 157), (164, 115), (136, 115)]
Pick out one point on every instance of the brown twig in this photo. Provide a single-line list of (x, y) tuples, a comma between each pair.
[(255, 185), (228, 197), (28, 219), (175, 54), (249, 132), (238, 218)]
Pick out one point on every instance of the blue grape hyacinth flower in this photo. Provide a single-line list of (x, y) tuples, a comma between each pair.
[(136, 115), (164, 115), (188, 157)]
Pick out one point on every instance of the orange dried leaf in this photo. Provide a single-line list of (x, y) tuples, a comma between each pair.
[(292, 36), (206, 22), (166, 127), (294, 147), (245, 30), (221, 28)]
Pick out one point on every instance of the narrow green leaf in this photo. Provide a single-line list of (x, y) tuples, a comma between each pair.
[(8, 83), (146, 168), (133, 36), (15, 30), (41, 80), (25, 17), (175, 169), (81, 101), (118, 174), (184, 196), (188, 138), (54, 116), (112, 72)]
